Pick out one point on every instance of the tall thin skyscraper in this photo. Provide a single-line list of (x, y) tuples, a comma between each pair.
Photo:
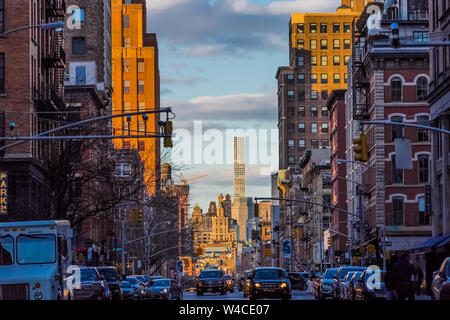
[(239, 167)]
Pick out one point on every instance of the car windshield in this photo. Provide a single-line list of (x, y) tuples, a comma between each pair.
[(344, 273), (6, 250), (268, 274), (109, 274), (329, 274), (88, 275), (161, 283), (33, 249), (210, 274), (125, 285), (132, 280)]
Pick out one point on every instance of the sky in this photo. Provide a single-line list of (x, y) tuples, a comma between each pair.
[(217, 61)]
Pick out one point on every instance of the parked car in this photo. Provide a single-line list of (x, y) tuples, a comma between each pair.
[(440, 286), (211, 280), (270, 282), (246, 287), (164, 289), (112, 277), (352, 284), (92, 285), (324, 288), (298, 280), (127, 290), (367, 289), (230, 283), (138, 288), (338, 284)]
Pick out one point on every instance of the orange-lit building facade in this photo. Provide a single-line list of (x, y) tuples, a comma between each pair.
[(136, 84)]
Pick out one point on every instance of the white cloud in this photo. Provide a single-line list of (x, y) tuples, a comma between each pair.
[(159, 5)]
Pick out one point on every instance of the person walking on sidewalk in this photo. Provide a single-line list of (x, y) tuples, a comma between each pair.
[(403, 274), (390, 285), (420, 277)]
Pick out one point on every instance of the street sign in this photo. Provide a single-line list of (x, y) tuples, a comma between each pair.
[(403, 159), (386, 243), (3, 194), (286, 249), (428, 200)]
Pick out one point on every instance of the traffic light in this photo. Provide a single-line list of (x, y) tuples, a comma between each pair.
[(268, 252), (139, 216), (361, 149), (294, 233), (330, 241), (168, 128), (395, 37), (256, 210)]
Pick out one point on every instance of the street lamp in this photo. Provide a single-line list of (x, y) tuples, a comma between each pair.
[(45, 26)]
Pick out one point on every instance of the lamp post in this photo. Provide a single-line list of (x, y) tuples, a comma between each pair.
[(44, 26)]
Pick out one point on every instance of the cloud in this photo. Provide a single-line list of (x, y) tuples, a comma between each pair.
[(172, 80), (165, 91)]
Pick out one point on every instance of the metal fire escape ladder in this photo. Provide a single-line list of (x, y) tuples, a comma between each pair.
[(359, 81)]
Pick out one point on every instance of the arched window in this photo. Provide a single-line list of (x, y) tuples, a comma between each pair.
[(422, 88), (396, 89)]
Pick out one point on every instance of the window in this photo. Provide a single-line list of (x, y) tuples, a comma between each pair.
[(290, 78), (325, 143), (123, 169), (300, 28), (312, 28), (301, 128), (313, 127), (336, 44), (346, 43), (323, 44), (326, 183), (313, 61), (346, 27), (337, 78), (36, 249), (2, 16), (336, 61), (324, 78), (126, 127), (424, 168), (80, 75), (290, 95), (7, 243), (420, 36), (291, 128), (2, 72), (291, 111), (141, 146), (291, 144), (397, 174), (323, 28), (313, 112), (313, 44), (78, 45), (302, 143), (345, 77), (422, 134), (291, 160), (301, 78), (422, 89), (301, 95), (127, 107), (126, 65), (325, 127), (300, 44), (346, 58), (126, 22), (300, 61), (126, 86), (141, 105), (77, 14), (126, 144), (314, 144), (397, 131), (313, 77), (301, 111), (141, 65), (323, 60), (324, 111), (126, 42), (397, 211), (424, 219), (396, 89), (324, 94), (336, 27), (314, 95)]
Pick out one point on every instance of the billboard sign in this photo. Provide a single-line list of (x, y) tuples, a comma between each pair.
[(286, 249), (3, 194)]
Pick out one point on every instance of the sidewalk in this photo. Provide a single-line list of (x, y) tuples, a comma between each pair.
[(423, 297)]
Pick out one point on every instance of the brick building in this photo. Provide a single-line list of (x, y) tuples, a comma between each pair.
[(32, 66)]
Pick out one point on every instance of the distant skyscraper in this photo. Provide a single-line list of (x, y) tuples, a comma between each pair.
[(239, 167)]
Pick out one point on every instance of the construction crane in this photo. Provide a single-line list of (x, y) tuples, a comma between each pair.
[(184, 181)]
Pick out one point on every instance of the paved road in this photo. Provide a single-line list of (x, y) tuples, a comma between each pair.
[(237, 295)]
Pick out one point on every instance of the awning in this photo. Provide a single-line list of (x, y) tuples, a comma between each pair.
[(433, 242), (443, 242)]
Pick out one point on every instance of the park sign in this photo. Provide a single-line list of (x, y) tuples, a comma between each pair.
[(3, 194)]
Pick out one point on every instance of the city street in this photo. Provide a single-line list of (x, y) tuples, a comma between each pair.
[(237, 295)]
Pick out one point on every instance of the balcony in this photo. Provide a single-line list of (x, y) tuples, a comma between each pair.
[(55, 8), (56, 60)]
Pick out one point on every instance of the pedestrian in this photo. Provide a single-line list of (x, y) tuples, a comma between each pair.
[(391, 293), (403, 275), (420, 277)]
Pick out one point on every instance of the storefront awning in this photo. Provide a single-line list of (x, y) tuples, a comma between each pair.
[(433, 242)]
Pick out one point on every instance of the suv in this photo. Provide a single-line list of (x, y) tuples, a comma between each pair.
[(112, 277), (338, 284), (324, 288), (92, 285), (211, 280), (270, 282)]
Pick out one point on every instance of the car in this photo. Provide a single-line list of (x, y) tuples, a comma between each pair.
[(92, 285), (351, 285), (112, 277), (137, 287), (230, 283), (324, 287), (298, 280), (270, 282), (211, 280), (164, 289), (371, 285), (241, 283), (246, 286), (127, 290), (440, 286), (338, 284), (141, 279)]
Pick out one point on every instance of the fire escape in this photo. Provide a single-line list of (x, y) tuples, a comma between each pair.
[(359, 80)]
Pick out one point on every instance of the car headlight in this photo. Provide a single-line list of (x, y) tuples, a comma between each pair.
[(284, 285), (229, 281), (164, 291), (199, 284), (258, 285)]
